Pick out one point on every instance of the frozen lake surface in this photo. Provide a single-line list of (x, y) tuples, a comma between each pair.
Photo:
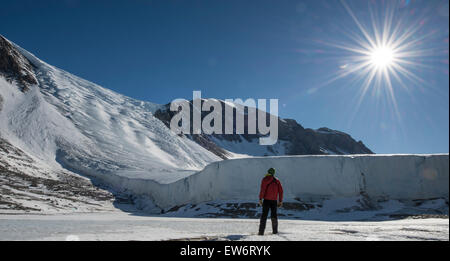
[(125, 226)]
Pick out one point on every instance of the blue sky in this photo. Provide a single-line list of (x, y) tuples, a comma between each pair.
[(161, 50)]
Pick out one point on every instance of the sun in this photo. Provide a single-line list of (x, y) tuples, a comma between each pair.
[(382, 57), (383, 53)]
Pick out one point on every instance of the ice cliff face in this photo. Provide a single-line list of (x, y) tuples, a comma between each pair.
[(375, 178)]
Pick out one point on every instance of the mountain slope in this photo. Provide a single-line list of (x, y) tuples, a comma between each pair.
[(293, 139), (27, 185), (64, 120)]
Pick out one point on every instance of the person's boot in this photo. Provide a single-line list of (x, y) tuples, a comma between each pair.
[(275, 225), (262, 227)]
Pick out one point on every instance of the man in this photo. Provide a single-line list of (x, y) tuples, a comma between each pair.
[(271, 190)]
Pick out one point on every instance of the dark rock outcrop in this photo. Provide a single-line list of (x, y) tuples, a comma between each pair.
[(297, 139), (14, 67)]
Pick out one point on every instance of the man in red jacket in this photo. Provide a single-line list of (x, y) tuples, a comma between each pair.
[(271, 190)]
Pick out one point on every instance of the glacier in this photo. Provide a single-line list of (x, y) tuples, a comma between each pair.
[(309, 178)]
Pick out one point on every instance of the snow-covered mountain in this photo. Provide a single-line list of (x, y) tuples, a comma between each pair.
[(61, 118), (58, 117), (62, 125)]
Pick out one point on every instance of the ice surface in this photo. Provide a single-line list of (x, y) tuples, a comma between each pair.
[(120, 226)]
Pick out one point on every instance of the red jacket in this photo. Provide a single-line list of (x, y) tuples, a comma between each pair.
[(271, 188)]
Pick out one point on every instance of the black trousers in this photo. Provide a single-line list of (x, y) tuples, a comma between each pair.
[(272, 206)]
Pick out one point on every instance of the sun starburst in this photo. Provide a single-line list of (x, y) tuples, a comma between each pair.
[(382, 57), (383, 54)]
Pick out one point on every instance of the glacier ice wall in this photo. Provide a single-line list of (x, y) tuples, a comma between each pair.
[(401, 177)]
